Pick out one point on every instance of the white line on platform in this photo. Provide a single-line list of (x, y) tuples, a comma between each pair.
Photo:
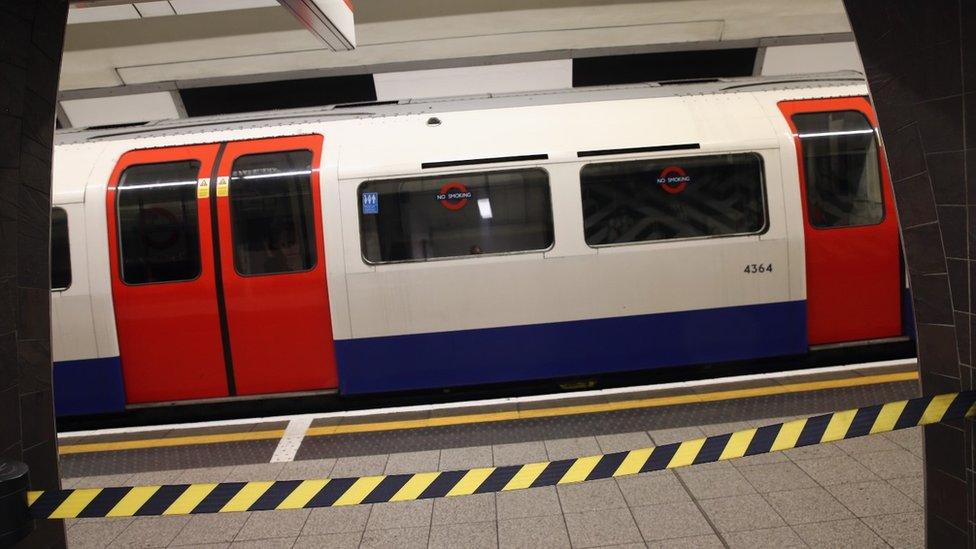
[(292, 439), (714, 382)]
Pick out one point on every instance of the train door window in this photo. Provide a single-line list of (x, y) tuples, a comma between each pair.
[(670, 198), (60, 252), (271, 213), (455, 215), (841, 169), (159, 238)]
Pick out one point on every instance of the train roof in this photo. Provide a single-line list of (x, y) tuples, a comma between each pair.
[(432, 106)]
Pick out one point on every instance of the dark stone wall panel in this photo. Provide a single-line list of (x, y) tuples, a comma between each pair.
[(920, 60)]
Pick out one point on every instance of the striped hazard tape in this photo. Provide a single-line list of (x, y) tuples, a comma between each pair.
[(229, 497)]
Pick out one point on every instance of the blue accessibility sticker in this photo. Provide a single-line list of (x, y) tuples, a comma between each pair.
[(371, 203)]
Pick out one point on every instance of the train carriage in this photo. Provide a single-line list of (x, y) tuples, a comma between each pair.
[(467, 241)]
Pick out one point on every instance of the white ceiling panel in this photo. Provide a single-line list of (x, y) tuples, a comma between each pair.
[(184, 7), (155, 9), (122, 109), (101, 13)]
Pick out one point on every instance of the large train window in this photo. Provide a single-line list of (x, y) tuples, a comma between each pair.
[(60, 252), (669, 198), (158, 234), (841, 170), (271, 213), (422, 218)]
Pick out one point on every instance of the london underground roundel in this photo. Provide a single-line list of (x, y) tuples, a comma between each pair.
[(673, 179), (454, 195)]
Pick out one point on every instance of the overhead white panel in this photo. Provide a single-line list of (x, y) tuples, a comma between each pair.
[(812, 58), (101, 13), (123, 109), (155, 9), (184, 7), (507, 78)]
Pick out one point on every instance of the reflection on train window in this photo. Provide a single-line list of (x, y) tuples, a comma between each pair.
[(455, 215), (60, 252), (667, 198), (271, 213), (159, 238), (840, 164)]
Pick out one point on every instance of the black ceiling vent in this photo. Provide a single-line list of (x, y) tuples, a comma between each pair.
[(678, 66), (281, 94)]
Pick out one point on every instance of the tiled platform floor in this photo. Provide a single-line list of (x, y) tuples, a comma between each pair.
[(858, 493)]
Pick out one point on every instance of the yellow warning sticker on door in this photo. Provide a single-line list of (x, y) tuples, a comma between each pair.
[(222, 183), (203, 188)]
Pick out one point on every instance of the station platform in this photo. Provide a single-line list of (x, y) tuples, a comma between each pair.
[(864, 492)]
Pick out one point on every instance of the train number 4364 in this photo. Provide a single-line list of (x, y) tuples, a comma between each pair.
[(756, 268)]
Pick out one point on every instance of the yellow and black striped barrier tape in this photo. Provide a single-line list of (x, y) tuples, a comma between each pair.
[(229, 497)]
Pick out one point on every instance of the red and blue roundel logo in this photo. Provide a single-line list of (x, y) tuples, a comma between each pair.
[(454, 195), (673, 179)]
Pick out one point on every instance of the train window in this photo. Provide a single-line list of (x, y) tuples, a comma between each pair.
[(669, 198), (422, 218), (60, 252), (841, 169), (271, 213), (159, 238)]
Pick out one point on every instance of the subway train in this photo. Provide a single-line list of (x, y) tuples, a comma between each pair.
[(498, 239)]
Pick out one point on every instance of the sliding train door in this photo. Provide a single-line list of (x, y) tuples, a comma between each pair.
[(850, 226), (272, 255), (163, 274), (218, 270)]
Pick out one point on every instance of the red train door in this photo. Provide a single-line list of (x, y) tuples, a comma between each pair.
[(851, 231), (272, 254), (163, 276)]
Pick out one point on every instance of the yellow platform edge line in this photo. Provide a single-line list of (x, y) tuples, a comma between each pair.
[(463, 419)]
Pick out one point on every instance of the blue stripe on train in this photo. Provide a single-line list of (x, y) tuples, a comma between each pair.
[(469, 357), (92, 386)]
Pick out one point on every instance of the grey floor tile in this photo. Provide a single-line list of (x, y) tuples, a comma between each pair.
[(400, 514), (336, 520), (670, 520), (774, 477), (679, 434), (152, 478), (454, 459), (807, 505), (518, 453), (866, 445), (272, 543), (412, 462), (533, 533), (836, 470), (770, 538), (568, 448), (905, 530), (604, 527), (590, 496), (470, 535), (211, 528), (741, 513), (274, 524), (401, 538), (839, 534), (345, 540), (359, 466), (307, 469), (98, 533), (652, 489), (533, 502), (206, 474), (455, 510), (254, 471), (814, 451), (705, 484), (622, 442), (913, 487), (891, 464), (102, 481), (759, 459), (909, 439), (871, 498), (150, 532), (731, 427), (697, 542)]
